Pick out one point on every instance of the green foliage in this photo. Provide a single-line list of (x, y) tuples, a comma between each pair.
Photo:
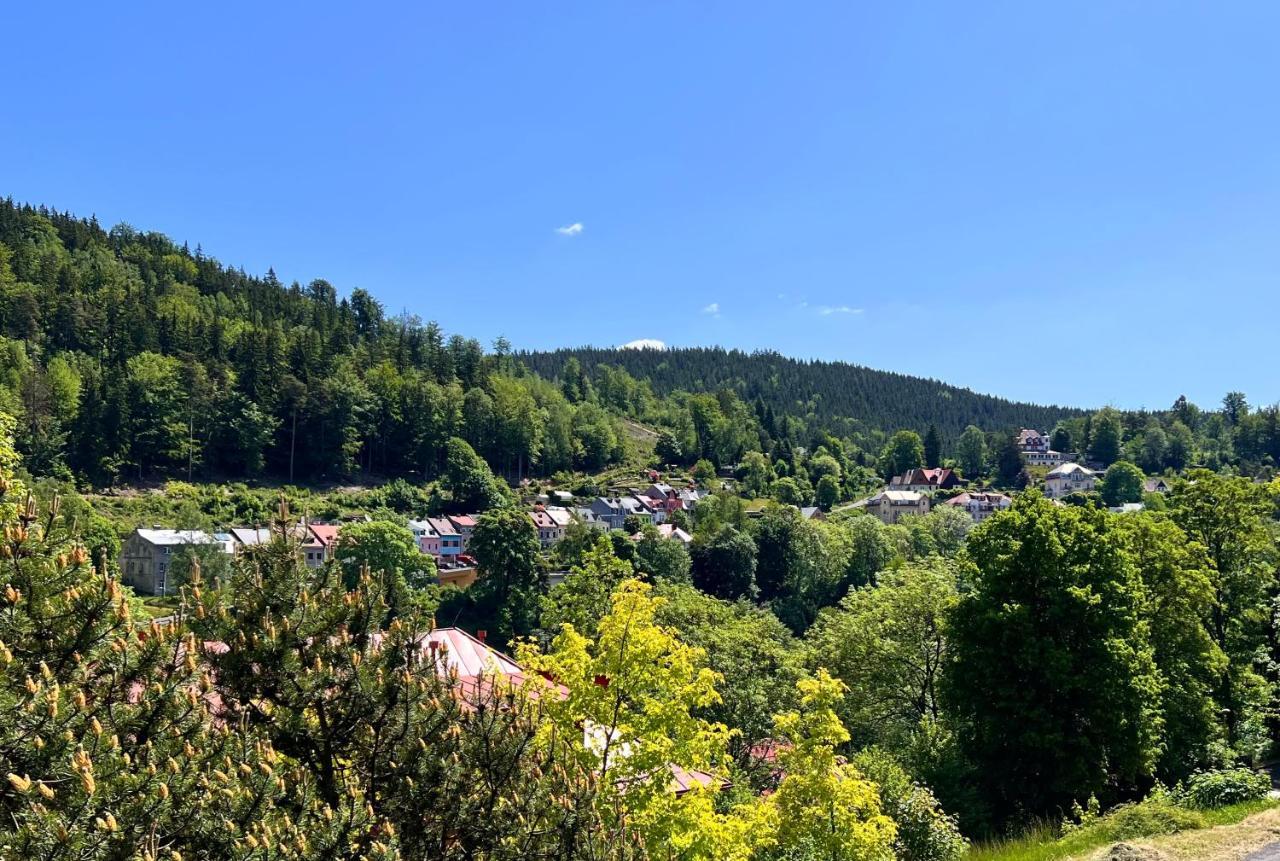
[(662, 560), (1179, 602), (932, 447), (822, 803), (1052, 677), (888, 644), (844, 399), (924, 831), (1228, 518), (725, 564), (505, 597), (384, 548), (1107, 432), (904, 451), (584, 595), (1222, 787), (636, 691), (971, 452), (827, 492), (1010, 462), (1122, 483), (754, 654)]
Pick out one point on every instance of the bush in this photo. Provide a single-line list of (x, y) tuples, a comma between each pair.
[(1209, 789), (1153, 816), (925, 832)]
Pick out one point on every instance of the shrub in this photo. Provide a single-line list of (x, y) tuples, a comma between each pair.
[(1218, 788), (925, 832), (1153, 816)]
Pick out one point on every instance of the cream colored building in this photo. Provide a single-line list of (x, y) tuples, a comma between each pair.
[(891, 505)]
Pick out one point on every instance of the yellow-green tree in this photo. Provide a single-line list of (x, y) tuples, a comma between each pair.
[(627, 712), (823, 807)]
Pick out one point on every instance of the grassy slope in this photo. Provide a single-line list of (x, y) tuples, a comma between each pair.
[(1218, 834)]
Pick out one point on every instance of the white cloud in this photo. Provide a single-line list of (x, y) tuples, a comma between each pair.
[(713, 309), (570, 229), (644, 344), (828, 310)]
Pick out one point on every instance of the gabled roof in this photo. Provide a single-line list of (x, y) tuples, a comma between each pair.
[(560, 516), (542, 520), (171, 537), (251, 536), (462, 521), (254, 536), (1066, 469), (325, 533), (442, 526), (934, 477), (423, 526)]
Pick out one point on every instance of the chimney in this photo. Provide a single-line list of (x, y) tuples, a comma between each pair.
[(481, 634)]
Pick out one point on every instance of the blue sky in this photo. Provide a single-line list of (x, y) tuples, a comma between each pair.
[(1058, 202)]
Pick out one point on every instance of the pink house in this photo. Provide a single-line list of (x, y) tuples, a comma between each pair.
[(428, 538)]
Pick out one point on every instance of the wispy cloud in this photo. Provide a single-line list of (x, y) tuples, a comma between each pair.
[(713, 309), (644, 344), (570, 229), (829, 310)]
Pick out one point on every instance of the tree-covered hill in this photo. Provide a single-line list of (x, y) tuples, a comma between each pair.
[(126, 356), (843, 398)]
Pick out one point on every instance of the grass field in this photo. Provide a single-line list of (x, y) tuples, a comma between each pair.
[(1194, 830)]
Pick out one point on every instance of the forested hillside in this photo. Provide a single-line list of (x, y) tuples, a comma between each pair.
[(126, 356), (842, 398)]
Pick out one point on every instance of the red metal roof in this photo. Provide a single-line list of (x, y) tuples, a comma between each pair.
[(325, 533)]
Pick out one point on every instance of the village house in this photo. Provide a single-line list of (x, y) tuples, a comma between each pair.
[(980, 504), (465, 524), (925, 480), (327, 535), (1157, 485), (609, 511), (587, 517), (665, 494), (891, 505), (654, 509), (313, 551), (549, 530), (668, 531), (557, 497), (460, 575), (426, 536), (811, 512), (450, 538), (1069, 478), (691, 496), (562, 516), (1035, 448), (147, 556)]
